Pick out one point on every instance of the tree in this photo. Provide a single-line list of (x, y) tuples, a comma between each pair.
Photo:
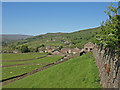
[(49, 54), (42, 45), (32, 49), (109, 36), (36, 50), (60, 47), (24, 49)]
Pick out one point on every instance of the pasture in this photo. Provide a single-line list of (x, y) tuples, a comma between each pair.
[(78, 72), (15, 66), (21, 56)]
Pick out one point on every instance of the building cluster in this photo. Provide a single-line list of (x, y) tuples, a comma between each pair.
[(63, 51), (88, 47)]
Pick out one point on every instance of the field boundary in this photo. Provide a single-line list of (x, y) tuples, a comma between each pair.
[(20, 64), (26, 64), (11, 79)]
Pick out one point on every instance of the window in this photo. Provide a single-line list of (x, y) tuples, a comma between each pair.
[(90, 49)]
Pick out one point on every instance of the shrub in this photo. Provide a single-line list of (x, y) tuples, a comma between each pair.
[(24, 49), (60, 47), (49, 54), (36, 50)]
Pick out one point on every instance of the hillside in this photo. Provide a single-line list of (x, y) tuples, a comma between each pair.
[(78, 72), (74, 39), (9, 37)]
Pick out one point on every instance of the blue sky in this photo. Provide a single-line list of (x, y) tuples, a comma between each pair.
[(34, 18)]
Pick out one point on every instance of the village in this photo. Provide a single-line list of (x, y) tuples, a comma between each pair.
[(88, 47), (60, 45)]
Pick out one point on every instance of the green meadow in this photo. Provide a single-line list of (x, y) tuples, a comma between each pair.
[(41, 60), (22, 56), (8, 72), (78, 72), (29, 65)]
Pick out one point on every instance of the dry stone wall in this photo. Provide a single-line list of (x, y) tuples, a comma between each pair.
[(108, 63)]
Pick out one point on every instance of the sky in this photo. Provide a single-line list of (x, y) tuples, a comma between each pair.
[(35, 18)]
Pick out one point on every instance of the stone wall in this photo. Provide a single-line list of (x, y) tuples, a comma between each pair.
[(108, 63)]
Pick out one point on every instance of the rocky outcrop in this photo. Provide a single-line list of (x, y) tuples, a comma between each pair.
[(108, 63)]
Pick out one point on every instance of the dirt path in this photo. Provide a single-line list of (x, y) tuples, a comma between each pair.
[(23, 60)]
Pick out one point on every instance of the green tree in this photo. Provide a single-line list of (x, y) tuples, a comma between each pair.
[(60, 47), (31, 49), (42, 45), (24, 49), (36, 50), (109, 36)]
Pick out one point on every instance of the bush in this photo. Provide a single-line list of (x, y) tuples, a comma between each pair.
[(32, 50), (24, 49), (36, 50), (109, 35), (60, 47), (49, 54)]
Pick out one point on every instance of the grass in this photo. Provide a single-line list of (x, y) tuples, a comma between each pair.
[(42, 60), (17, 70), (75, 39), (79, 72), (21, 56)]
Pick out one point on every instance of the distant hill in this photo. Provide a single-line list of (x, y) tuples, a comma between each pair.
[(9, 37), (74, 39)]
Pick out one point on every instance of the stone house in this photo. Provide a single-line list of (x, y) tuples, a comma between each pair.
[(47, 47), (15, 51), (75, 50), (50, 49), (70, 51), (41, 50), (56, 53), (65, 50), (88, 47)]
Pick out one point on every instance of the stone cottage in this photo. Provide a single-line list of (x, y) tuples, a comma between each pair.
[(41, 50), (75, 50), (50, 49), (65, 50), (56, 53), (88, 47)]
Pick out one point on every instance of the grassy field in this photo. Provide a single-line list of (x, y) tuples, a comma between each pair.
[(22, 56), (42, 60), (79, 72), (17, 70)]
